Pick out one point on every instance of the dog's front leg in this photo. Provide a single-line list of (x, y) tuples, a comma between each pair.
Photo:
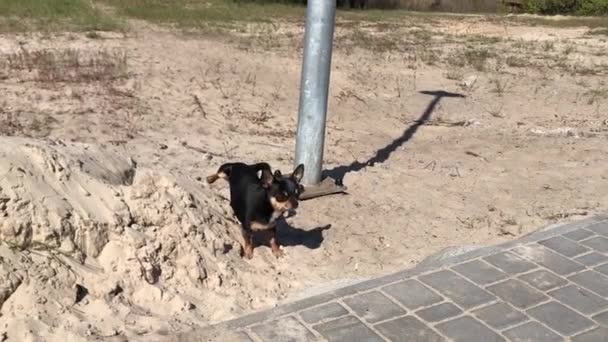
[(247, 241), (274, 245)]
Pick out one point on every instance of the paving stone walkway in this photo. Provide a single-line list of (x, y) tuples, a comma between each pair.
[(548, 286)]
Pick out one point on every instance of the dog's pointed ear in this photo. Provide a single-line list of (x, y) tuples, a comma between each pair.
[(298, 173), (277, 174), (266, 178)]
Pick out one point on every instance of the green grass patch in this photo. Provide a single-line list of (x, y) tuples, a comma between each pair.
[(196, 13), (85, 15), (193, 13), (53, 15)]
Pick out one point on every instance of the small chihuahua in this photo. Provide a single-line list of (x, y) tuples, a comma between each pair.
[(258, 201)]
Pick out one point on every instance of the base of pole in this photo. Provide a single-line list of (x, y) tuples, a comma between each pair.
[(326, 187)]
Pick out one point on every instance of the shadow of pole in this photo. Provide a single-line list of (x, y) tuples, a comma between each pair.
[(384, 153)]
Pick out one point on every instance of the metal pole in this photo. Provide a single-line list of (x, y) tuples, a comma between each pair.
[(314, 88)]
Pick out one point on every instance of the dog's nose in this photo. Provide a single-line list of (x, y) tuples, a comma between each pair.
[(289, 213)]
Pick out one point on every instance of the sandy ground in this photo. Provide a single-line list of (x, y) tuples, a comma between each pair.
[(447, 133)]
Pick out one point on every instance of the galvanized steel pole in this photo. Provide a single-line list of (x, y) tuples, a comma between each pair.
[(314, 88)]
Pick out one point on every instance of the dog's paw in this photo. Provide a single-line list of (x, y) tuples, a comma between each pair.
[(278, 253), (248, 253)]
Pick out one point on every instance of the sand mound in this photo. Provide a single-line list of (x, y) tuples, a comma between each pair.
[(91, 246)]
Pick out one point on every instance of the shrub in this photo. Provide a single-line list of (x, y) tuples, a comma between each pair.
[(550, 6), (592, 7)]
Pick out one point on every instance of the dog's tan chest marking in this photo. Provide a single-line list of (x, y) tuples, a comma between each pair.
[(279, 206), (256, 226)]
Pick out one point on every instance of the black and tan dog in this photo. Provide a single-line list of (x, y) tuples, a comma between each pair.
[(258, 201)]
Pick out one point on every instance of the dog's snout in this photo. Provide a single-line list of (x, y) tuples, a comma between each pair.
[(290, 213)]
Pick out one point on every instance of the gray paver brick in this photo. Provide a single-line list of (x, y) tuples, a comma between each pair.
[(347, 329), (408, 329), (543, 280), (560, 318), (579, 234), (598, 243), (458, 289), (286, 329), (599, 228), (500, 315), (549, 259), (564, 246), (595, 335), (592, 259), (373, 307), (593, 281), (241, 337), (603, 269), (517, 293), (601, 318), (467, 329), (532, 331), (412, 294), (522, 262), (325, 311), (480, 272), (579, 299), (510, 263), (439, 312)]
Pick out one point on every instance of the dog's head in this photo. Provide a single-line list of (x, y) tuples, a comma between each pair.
[(284, 191)]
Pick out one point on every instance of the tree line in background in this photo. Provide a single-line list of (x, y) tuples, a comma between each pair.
[(547, 7)]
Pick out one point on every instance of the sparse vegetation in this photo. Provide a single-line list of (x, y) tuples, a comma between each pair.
[(499, 85), (454, 74), (255, 25), (38, 126), (596, 95), (9, 123), (428, 56), (473, 57), (363, 39), (455, 59), (516, 61), (548, 46), (572, 21), (477, 57), (93, 35), (568, 49), (496, 111), (599, 32), (67, 65)]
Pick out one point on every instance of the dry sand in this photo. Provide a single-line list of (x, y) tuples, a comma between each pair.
[(108, 233)]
